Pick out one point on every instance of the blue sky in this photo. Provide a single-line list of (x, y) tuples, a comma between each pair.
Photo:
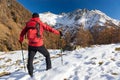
[(109, 7)]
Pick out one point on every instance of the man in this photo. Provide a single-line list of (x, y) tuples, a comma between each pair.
[(34, 29)]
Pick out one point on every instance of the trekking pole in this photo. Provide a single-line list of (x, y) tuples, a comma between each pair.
[(23, 57), (61, 50)]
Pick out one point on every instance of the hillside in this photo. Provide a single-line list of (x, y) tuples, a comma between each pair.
[(12, 19)]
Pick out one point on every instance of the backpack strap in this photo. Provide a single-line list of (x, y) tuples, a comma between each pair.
[(37, 27)]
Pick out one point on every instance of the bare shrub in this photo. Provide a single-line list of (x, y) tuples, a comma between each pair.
[(84, 38), (4, 73), (117, 49), (108, 35)]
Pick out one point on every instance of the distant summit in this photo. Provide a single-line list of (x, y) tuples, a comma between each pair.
[(79, 17)]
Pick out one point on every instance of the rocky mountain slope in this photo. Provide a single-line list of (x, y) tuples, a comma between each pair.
[(83, 27), (12, 18), (81, 17)]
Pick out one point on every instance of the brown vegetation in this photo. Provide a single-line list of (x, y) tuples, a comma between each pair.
[(87, 37), (12, 18), (108, 35), (84, 37), (4, 74), (117, 49)]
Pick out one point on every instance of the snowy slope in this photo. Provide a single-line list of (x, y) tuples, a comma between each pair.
[(100, 62)]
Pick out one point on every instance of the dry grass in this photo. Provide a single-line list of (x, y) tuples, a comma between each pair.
[(3, 66), (1, 59), (12, 19), (35, 62), (18, 62), (117, 49), (114, 73), (54, 57), (100, 63), (60, 54), (113, 59), (8, 60), (4, 74)]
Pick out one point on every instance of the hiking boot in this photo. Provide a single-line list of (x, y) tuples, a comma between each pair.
[(48, 68)]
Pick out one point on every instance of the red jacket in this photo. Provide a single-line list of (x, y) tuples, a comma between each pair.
[(31, 24)]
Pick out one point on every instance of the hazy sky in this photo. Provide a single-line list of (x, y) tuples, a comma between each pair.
[(109, 7)]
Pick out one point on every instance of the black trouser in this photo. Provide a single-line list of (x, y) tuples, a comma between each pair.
[(31, 53)]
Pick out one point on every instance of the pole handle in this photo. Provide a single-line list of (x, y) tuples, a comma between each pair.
[(60, 46)]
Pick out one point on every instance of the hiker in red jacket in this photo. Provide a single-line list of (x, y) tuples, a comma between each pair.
[(34, 29)]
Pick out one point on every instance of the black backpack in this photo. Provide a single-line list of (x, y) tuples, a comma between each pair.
[(34, 37), (38, 29)]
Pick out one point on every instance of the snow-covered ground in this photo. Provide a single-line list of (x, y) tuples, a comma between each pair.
[(99, 62)]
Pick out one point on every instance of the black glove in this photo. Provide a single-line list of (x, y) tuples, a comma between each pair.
[(61, 33)]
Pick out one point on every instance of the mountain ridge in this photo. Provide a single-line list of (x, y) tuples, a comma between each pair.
[(76, 17)]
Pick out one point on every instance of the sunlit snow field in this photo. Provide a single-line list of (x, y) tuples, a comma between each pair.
[(99, 62)]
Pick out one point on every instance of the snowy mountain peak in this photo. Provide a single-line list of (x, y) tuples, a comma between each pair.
[(77, 18)]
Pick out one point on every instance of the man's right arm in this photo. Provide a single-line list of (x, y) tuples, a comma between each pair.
[(50, 29)]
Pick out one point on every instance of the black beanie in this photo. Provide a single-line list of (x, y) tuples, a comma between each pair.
[(34, 15)]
